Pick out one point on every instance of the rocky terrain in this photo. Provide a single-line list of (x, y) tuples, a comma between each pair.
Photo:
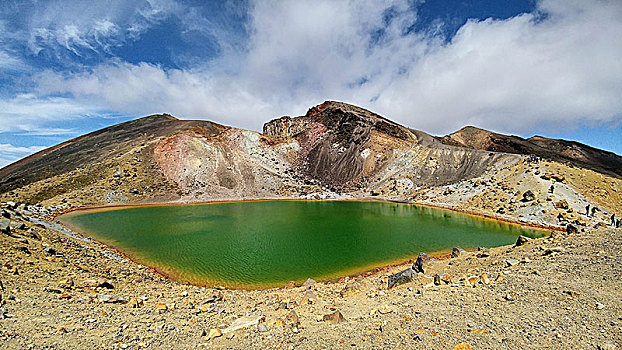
[(61, 290)]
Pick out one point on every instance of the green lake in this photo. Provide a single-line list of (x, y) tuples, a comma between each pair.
[(260, 244)]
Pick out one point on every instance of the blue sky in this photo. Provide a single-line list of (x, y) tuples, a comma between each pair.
[(549, 67)]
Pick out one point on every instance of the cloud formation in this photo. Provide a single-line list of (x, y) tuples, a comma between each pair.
[(560, 63)]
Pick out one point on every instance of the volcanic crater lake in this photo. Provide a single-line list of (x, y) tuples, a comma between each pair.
[(261, 244)]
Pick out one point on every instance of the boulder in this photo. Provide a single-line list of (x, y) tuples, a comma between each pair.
[(457, 251), (400, 278), (422, 260)]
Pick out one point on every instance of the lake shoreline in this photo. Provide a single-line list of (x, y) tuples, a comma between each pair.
[(174, 275)]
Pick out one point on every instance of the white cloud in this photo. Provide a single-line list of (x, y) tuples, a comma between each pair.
[(11, 62), (514, 75), (519, 74), (10, 153), (92, 25), (31, 114)]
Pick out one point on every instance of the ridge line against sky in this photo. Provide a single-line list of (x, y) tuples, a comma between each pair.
[(549, 67)]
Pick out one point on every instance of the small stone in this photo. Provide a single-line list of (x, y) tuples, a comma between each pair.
[(334, 318), (528, 196), (279, 322), (571, 229), (561, 204), (511, 262), (214, 333), (521, 240), (111, 299), (262, 328), (599, 306), (422, 261), (291, 284), (292, 319), (135, 303), (22, 249), (457, 251), (472, 280), (484, 278), (66, 283), (64, 296), (161, 307), (5, 226), (483, 252), (607, 346), (243, 322), (554, 250), (309, 282), (384, 310), (442, 277), (463, 346), (106, 285)]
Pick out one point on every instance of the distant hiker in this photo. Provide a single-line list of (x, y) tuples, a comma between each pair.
[(551, 189), (613, 220), (587, 210)]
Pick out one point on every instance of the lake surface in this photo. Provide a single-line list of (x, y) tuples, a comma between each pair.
[(260, 244)]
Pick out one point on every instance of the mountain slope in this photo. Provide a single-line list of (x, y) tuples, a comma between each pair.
[(335, 150), (572, 152)]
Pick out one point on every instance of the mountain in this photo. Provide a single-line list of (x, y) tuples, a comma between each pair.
[(335, 149), (570, 152)]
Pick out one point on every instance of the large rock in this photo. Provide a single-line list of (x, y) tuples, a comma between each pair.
[(422, 261), (401, 278)]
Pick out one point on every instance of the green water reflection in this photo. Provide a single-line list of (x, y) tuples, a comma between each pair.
[(268, 243)]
